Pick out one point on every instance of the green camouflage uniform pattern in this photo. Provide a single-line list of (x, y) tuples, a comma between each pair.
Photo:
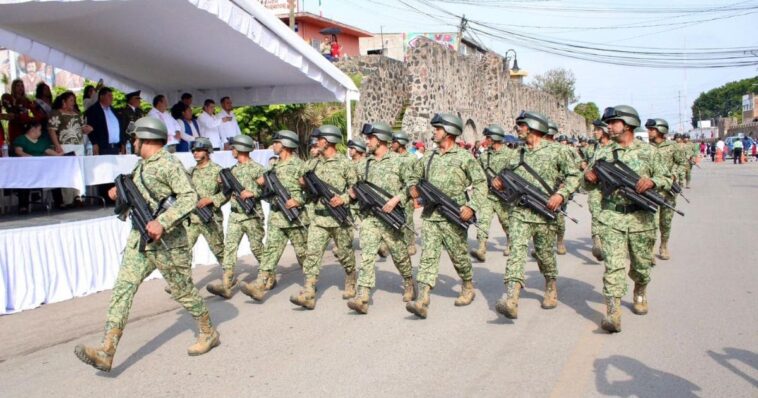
[(280, 229), (557, 168), (205, 181), (241, 224), (451, 172), (409, 160), (165, 176), (692, 150), (629, 237), (338, 172), (594, 195), (672, 160), (360, 171), (495, 161), (572, 154), (390, 174)]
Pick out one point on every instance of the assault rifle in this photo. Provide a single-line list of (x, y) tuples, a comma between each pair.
[(231, 185), (205, 213), (521, 192), (373, 198), (676, 189), (278, 196), (617, 176), (128, 197), (693, 163), (324, 192), (436, 200)]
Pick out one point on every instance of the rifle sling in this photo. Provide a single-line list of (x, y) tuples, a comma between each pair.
[(531, 171)]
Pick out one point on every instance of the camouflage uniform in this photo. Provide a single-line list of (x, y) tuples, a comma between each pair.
[(672, 159), (360, 171), (409, 160), (629, 236), (496, 161), (451, 172), (241, 224), (205, 181), (693, 152), (594, 196), (573, 155)]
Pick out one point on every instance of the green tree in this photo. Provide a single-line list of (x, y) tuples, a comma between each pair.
[(559, 82), (723, 101), (588, 110)]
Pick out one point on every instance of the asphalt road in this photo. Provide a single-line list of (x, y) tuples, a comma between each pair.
[(699, 339)]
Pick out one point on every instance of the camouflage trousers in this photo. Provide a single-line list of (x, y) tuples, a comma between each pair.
[(276, 241), (665, 216), (237, 228), (560, 221), (318, 238), (213, 232), (487, 212), (688, 173), (175, 266), (594, 203), (409, 234), (373, 233), (621, 248), (436, 235), (544, 236)]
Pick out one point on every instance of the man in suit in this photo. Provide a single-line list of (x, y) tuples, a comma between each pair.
[(130, 113), (106, 127)]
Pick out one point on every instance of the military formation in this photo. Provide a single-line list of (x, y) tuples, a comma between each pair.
[(631, 187)]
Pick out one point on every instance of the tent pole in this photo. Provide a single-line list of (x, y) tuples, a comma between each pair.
[(349, 117)]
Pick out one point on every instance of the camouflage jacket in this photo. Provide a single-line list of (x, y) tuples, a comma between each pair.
[(495, 161), (161, 176), (389, 173), (646, 162), (289, 172), (206, 183), (246, 174), (672, 158), (586, 153), (360, 168), (339, 173), (452, 172)]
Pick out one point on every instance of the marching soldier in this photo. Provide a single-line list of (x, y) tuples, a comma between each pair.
[(289, 170), (451, 169), (339, 173), (628, 232), (493, 160), (247, 172), (204, 176), (692, 156), (357, 152), (386, 170), (681, 173), (157, 176), (594, 196), (400, 140), (543, 164)]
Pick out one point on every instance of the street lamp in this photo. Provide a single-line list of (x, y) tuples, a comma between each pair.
[(515, 60)]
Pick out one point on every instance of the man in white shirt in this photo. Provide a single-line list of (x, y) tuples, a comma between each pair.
[(209, 125), (229, 127), (160, 112)]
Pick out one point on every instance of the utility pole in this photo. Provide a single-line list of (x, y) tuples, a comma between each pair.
[(292, 14), (461, 28), (681, 126)]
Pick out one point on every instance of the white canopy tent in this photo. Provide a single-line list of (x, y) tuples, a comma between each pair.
[(210, 48)]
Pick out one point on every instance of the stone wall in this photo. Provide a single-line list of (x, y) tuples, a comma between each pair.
[(435, 79)]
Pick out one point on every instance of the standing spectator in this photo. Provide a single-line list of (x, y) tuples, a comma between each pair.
[(747, 143), (326, 48), (19, 112), (130, 114), (755, 151), (43, 107), (66, 127), (712, 150), (31, 144), (420, 149), (336, 50), (189, 128), (160, 112), (3, 116), (209, 125), (737, 151), (703, 148), (106, 127), (720, 151), (229, 127), (90, 95)]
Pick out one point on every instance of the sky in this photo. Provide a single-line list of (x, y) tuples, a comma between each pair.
[(675, 24)]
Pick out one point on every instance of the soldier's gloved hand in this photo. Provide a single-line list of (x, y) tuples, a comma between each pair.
[(391, 204), (414, 192), (466, 213), (204, 202), (112, 194), (155, 230), (336, 201), (260, 181), (590, 176), (291, 204), (497, 183), (644, 184), (555, 202), (246, 194)]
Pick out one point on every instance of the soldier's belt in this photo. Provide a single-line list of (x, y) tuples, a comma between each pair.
[(623, 209)]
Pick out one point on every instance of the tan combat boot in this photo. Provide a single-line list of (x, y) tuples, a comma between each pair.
[(100, 358), (550, 300), (412, 249), (409, 289), (307, 296), (507, 250), (384, 251), (664, 250), (639, 306), (420, 307), (597, 248), (350, 280), (359, 303), (508, 304), (207, 336), (612, 321), (467, 294), (560, 246), (481, 252), (225, 288), (257, 290)]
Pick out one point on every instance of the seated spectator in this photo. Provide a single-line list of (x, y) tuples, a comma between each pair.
[(19, 109), (336, 49), (189, 128), (31, 144), (66, 126)]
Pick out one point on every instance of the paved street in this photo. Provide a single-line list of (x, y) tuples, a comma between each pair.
[(699, 339)]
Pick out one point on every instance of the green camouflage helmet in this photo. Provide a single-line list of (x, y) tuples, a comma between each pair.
[(552, 128), (582, 138), (202, 144), (562, 138), (332, 134), (287, 138), (401, 137), (659, 124), (535, 121), (358, 144), (149, 128), (381, 130), (601, 125), (452, 124), (242, 143), (625, 113), (495, 132)]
